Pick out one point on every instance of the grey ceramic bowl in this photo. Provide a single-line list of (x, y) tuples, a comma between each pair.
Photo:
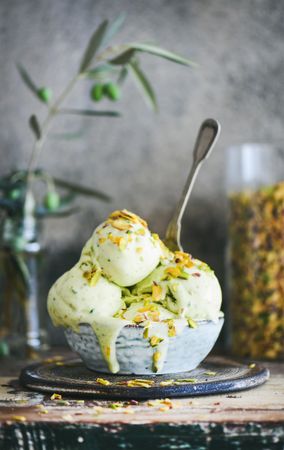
[(134, 353)]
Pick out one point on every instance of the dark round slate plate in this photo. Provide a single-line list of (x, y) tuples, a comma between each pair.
[(214, 376)]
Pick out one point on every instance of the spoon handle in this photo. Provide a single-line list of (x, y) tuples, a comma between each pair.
[(206, 139)]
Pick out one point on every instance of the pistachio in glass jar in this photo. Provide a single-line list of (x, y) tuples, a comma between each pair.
[(256, 251)]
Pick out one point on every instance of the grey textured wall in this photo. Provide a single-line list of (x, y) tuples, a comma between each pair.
[(142, 159)]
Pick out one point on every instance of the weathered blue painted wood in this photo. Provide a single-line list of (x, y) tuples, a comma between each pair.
[(45, 436)]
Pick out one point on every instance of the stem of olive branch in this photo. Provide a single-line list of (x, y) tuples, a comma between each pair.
[(54, 109), (111, 52)]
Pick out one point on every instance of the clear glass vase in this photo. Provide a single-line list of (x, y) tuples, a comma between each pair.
[(22, 309), (255, 265)]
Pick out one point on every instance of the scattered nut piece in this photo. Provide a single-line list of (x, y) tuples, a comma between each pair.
[(19, 418), (56, 397)]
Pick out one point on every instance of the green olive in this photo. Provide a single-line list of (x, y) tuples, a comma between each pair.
[(112, 91), (19, 243), (14, 194), (97, 92), (4, 349), (51, 200), (44, 94)]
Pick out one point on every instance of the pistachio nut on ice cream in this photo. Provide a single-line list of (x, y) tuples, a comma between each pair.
[(126, 276)]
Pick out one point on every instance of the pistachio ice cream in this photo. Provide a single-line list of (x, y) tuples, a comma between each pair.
[(125, 249), (126, 276)]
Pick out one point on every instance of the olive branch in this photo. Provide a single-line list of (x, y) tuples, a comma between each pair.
[(108, 67)]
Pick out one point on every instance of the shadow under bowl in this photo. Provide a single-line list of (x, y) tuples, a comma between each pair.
[(135, 355)]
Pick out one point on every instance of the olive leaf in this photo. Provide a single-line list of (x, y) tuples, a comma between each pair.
[(123, 58), (17, 176), (113, 28), (144, 85), (122, 75), (93, 46), (21, 268), (14, 179), (27, 79), (82, 190), (68, 136), (59, 212), (158, 51), (35, 126), (16, 279), (90, 112)]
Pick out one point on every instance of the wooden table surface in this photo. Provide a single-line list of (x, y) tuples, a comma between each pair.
[(252, 419)]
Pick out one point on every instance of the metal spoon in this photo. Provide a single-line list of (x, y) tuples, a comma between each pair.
[(206, 139)]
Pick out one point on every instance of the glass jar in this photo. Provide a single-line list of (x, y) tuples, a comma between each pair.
[(255, 264), (22, 311)]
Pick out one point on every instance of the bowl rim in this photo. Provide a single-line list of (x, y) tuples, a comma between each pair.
[(199, 322)]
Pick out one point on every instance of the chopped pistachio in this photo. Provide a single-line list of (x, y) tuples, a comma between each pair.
[(139, 318), (171, 328), (56, 397), (143, 380), (210, 373), (174, 272), (157, 292), (121, 224), (139, 383), (116, 405), (185, 380), (166, 383), (154, 341), (191, 323), (164, 408), (156, 357), (93, 275), (140, 231), (146, 333), (103, 381), (19, 418)]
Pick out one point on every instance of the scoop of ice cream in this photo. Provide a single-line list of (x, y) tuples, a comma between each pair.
[(187, 286), (125, 249), (82, 294)]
